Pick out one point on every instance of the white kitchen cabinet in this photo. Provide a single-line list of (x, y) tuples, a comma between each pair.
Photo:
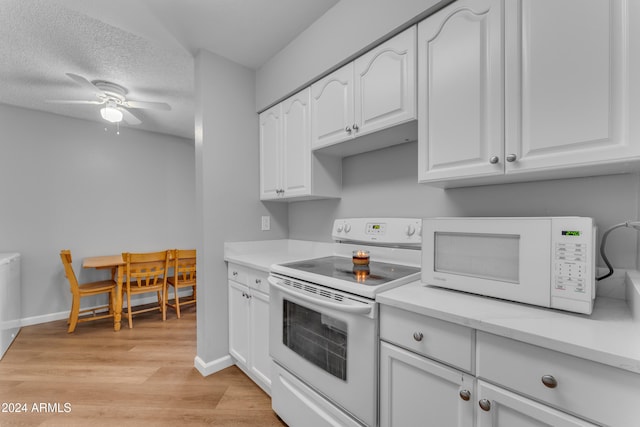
[(568, 80), (426, 374), (288, 168), (376, 91), (592, 391), (417, 391), (501, 408), (460, 97), (249, 323)]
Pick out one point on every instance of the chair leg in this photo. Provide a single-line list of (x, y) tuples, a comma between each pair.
[(175, 292), (129, 310), (163, 305), (73, 316)]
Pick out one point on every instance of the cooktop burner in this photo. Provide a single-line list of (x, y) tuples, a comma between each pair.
[(376, 273)]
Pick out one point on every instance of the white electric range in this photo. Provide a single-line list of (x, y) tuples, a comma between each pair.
[(324, 321)]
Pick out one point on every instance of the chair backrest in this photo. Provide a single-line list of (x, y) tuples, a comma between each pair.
[(146, 269), (184, 266), (65, 255)]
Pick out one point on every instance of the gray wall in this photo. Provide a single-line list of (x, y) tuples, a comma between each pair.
[(384, 183), (227, 188), (68, 184)]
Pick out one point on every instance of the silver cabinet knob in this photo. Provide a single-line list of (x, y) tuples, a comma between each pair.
[(485, 404), (258, 281), (355, 127), (347, 129), (549, 381), (511, 158), (418, 336), (494, 159), (465, 395), (235, 274)]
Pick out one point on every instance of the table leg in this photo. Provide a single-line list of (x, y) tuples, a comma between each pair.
[(117, 314)]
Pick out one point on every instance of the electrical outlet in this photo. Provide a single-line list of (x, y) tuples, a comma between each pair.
[(266, 223)]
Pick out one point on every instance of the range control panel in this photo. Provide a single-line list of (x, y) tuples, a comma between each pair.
[(387, 231)]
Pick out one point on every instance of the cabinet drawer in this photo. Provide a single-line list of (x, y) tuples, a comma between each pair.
[(450, 343), (590, 390), (258, 280), (237, 273)]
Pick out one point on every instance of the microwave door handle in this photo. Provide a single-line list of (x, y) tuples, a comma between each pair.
[(340, 307)]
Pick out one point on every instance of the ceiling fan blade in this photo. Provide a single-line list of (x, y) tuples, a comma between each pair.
[(71, 101), (148, 105), (85, 83), (129, 117)]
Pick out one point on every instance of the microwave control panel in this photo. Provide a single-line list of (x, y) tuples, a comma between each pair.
[(573, 253)]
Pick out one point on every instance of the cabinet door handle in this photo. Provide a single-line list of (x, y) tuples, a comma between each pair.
[(418, 336), (347, 129), (549, 381), (465, 395), (235, 274), (494, 159), (511, 158), (485, 405), (355, 127), (258, 281)]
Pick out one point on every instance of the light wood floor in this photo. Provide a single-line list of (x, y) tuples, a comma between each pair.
[(138, 377)]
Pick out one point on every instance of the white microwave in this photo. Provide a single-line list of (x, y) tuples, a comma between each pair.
[(544, 261)]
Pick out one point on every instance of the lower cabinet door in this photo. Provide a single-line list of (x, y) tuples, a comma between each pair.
[(239, 322), (417, 391), (501, 408), (260, 362)]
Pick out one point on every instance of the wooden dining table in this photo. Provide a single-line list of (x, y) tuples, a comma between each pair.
[(116, 264)]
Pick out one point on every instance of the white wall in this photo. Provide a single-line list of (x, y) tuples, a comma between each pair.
[(384, 183), (68, 184), (344, 31), (227, 189)]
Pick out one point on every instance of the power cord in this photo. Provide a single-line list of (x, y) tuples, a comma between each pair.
[(629, 224)]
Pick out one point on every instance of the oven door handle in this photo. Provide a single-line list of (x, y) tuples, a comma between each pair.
[(361, 309)]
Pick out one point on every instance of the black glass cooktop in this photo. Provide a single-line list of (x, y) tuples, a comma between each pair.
[(342, 268)]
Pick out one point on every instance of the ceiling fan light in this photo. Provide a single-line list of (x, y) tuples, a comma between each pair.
[(111, 114)]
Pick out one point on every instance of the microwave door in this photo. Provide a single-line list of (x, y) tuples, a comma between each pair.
[(504, 259)]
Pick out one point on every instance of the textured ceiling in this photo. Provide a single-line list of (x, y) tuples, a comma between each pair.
[(147, 46)]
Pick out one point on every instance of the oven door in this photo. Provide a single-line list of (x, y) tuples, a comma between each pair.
[(327, 339)]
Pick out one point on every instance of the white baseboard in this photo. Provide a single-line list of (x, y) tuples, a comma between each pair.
[(52, 317), (208, 368)]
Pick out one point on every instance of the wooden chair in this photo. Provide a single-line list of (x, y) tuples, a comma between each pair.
[(87, 289), (146, 272), (184, 275)]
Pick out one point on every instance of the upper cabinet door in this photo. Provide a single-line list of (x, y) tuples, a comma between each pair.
[(332, 108), (460, 91), (296, 147), (567, 83), (385, 84), (270, 167)]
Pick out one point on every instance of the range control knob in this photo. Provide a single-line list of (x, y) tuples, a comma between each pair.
[(410, 230), (347, 228), (339, 228)]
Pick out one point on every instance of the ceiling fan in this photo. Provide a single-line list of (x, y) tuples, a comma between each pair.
[(113, 97)]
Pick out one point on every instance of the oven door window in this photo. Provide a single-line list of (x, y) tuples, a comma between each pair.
[(316, 337)]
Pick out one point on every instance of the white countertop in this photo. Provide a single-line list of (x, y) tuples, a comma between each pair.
[(260, 255), (610, 335)]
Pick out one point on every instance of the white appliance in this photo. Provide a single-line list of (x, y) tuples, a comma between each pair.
[(544, 261), (324, 322), (10, 301)]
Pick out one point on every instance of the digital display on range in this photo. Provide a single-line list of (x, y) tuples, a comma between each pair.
[(570, 233)]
